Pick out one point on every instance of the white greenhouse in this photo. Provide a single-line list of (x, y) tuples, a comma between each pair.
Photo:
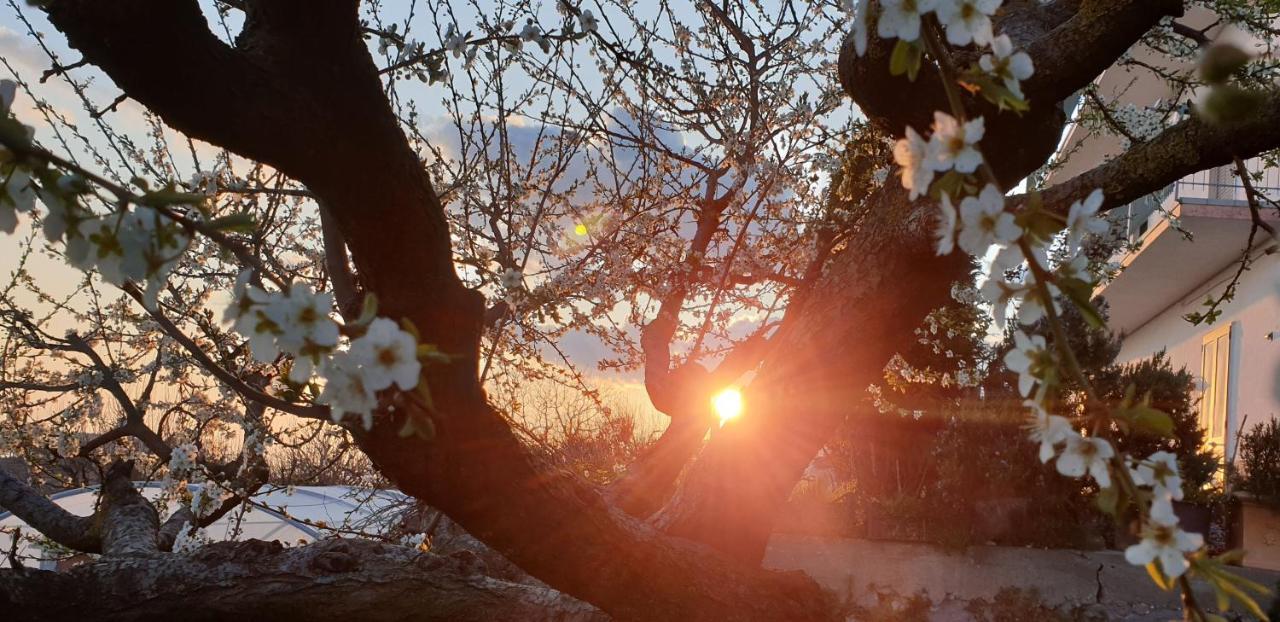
[(291, 515)]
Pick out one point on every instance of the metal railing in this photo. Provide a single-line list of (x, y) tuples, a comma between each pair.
[(1216, 186), (1221, 184), (1142, 214)]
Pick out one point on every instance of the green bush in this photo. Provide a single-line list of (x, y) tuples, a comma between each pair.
[(1260, 462), (984, 464), (1170, 391)]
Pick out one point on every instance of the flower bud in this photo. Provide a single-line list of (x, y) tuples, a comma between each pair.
[(1220, 61)]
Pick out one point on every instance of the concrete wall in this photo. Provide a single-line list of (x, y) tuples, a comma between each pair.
[(858, 569), (1255, 359)]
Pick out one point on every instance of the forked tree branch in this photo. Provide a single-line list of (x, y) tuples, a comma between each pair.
[(47, 517), (1193, 144)]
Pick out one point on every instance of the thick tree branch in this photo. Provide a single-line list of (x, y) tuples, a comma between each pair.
[(47, 517), (168, 532), (129, 523), (338, 579), (336, 262), (1191, 145), (1077, 51)]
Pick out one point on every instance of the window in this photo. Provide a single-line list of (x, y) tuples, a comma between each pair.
[(1215, 374)]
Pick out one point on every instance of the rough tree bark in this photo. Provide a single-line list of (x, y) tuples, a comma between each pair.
[(335, 579)]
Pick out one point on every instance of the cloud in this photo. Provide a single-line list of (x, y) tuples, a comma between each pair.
[(18, 50)]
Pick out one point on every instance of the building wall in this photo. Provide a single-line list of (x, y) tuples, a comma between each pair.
[(1254, 381)]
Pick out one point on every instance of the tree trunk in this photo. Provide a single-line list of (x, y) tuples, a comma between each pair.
[(336, 579), (875, 292)]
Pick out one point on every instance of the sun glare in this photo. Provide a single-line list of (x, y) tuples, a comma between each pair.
[(728, 404)]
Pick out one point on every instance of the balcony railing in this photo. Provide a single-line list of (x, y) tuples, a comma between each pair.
[(1217, 186), (1221, 184)]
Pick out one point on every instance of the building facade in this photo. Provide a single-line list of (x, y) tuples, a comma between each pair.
[(1187, 243)]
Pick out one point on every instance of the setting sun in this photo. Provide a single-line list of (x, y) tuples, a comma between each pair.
[(728, 404)]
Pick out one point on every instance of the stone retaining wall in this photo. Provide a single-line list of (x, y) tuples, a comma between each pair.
[(858, 569)]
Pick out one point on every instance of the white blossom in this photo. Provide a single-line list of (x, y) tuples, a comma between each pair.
[(1048, 430), (252, 321), (1087, 455), (859, 33), (17, 196), (910, 153), (1160, 472), (533, 34), (345, 390), (953, 145), (416, 541), (901, 18), (455, 42), (1001, 293), (512, 279), (945, 232), (1010, 257), (241, 302), (388, 40), (1007, 65), (208, 498), (1032, 309), (588, 21), (182, 460), (387, 355), (1028, 359), (189, 539), (305, 328), (967, 21), (129, 246), (1167, 543), (1082, 219), (984, 222)]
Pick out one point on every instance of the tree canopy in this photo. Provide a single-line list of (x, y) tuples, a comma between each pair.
[(377, 224)]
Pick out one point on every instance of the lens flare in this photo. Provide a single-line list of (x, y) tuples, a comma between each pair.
[(728, 404)]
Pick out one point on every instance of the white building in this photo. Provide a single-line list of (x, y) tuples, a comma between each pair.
[(1170, 276), (1191, 238)]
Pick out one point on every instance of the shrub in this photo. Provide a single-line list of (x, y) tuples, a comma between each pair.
[(991, 486), (1260, 462), (1013, 604), (964, 476), (1170, 391)]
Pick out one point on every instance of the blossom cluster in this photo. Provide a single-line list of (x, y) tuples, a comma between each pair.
[(298, 322), (142, 239), (975, 217), (131, 244), (985, 222), (965, 21), (415, 56)]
